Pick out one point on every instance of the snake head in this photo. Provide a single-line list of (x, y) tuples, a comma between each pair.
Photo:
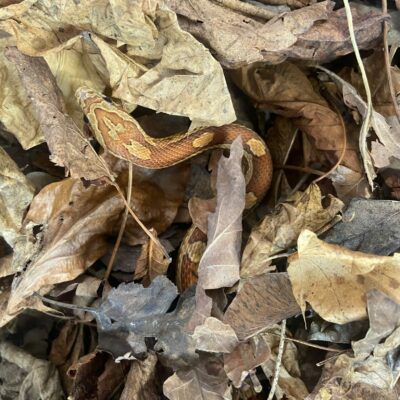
[(87, 97)]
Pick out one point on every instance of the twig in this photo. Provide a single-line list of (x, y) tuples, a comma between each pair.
[(387, 61), (321, 363), (278, 360), (367, 123), (123, 224), (246, 8)]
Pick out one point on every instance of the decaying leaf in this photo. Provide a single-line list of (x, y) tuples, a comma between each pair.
[(279, 231), (347, 378), (313, 33), (215, 337), (246, 357), (384, 330), (335, 280), (354, 230), (261, 302), (26, 377), (16, 193), (204, 381)]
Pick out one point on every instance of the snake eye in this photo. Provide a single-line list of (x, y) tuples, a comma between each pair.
[(108, 99)]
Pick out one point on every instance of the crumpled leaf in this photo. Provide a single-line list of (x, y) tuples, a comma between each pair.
[(312, 33), (335, 280), (202, 382), (286, 90), (16, 193), (290, 385), (354, 230), (131, 313), (152, 261), (68, 146), (161, 61), (26, 377), (347, 378), (261, 302), (219, 265), (215, 337), (245, 358), (142, 382), (279, 231), (384, 330)]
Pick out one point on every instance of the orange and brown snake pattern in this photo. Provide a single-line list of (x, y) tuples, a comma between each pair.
[(121, 135)]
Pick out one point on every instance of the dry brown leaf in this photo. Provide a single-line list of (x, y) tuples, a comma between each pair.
[(75, 222), (206, 381), (246, 357), (68, 146), (215, 337), (152, 261), (286, 90), (161, 61), (335, 280), (16, 193), (261, 302), (219, 265), (142, 382), (290, 385), (279, 231), (349, 379), (313, 33)]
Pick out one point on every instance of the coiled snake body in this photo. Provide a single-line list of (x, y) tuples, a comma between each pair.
[(121, 134)]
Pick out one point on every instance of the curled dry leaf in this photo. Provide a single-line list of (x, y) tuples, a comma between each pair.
[(245, 358), (161, 59), (335, 280), (279, 231), (261, 302), (311, 33), (215, 337), (16, 193)]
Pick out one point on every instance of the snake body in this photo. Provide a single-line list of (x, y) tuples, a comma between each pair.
[(122, 135)]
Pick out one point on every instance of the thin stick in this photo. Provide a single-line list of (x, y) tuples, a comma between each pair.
[(315, 346), (139, 222), (367, 123), (123, 224), (387, 61), (278, 361), (343, 149), (246, 8), (319, 364)]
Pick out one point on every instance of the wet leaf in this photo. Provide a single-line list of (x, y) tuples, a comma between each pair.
[(335, 280)]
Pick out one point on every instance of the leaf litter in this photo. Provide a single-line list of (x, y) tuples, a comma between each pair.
[(295, 298)]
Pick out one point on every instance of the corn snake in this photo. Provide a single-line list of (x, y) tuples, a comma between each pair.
[(122, 136)]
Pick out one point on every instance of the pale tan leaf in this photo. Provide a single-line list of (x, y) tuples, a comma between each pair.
[(279, 231), (215, 337), (219, 265), (16, 193), (335, 280)]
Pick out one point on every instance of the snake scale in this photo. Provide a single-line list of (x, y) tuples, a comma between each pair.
[(122, 135)]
